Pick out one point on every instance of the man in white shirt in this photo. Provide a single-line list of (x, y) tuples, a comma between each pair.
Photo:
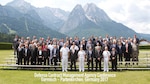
[(106, 56), (50, 47), (81, 57), (64, 53)]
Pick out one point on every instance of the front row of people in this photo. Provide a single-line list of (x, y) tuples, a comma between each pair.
[(74, 53), (105, 55)]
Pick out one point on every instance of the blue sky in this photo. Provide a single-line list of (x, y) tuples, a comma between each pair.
[(132, 13)]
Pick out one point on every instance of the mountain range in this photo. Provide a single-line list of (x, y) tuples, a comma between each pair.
[(20, 17), (91, 20)]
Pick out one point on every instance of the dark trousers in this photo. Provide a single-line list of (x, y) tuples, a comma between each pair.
[(46, 60), (33, 61), (39, 61), (127, 57), (19, 60), (90, 64), (73, 62), (114, 65), (55, 60), (59, 58), (98, 62), (120, 57), (26, 60)]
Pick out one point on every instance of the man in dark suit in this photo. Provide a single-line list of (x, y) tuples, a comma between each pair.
[(83, 45), (90, 56), (34, 51), (105, 44), (98, 56), (127, 51), (114, 45), (27, 55), (137, 39), (55, 54), (73, 55), (89, 44), (120, 51), (40, 55), (20, 54), (114, 59)]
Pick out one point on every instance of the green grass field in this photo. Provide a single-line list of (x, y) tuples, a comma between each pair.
[(27, 77)]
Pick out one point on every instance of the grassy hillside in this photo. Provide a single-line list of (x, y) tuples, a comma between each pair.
[(87, 32)]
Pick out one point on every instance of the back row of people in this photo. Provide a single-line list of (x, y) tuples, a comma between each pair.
[(49, 51)]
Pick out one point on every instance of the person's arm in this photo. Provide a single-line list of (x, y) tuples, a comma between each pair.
[(85, 55), (78, 55), (61, 53), (103, 54), (29, 53), (137, 48), (109, 55), (116, 55), (68, 53)]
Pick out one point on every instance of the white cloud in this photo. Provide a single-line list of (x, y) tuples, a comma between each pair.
[(133, 13), (67, 5), (3, 2)]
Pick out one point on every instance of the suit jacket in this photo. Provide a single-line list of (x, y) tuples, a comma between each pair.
[(90, 56), (98, 54), (114, 46), (40, 56), (46, 53), (73, 56), (129, 48), (28, 52), (103, 47), (89, 45), (20, 53), (55, 54), (84, 46), (113, 56), (120, 50), (34, 53)]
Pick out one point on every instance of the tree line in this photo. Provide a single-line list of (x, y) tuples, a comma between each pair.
[(6, 37)]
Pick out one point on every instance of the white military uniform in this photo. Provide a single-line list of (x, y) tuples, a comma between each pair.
[(64, 52), (81, 55), (106, 55)]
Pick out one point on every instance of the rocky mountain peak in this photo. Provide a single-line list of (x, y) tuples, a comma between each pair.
[(21, 5), (78, 10), (95, 14)]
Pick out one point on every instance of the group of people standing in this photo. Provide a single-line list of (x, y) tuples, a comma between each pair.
[(91, 52)]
